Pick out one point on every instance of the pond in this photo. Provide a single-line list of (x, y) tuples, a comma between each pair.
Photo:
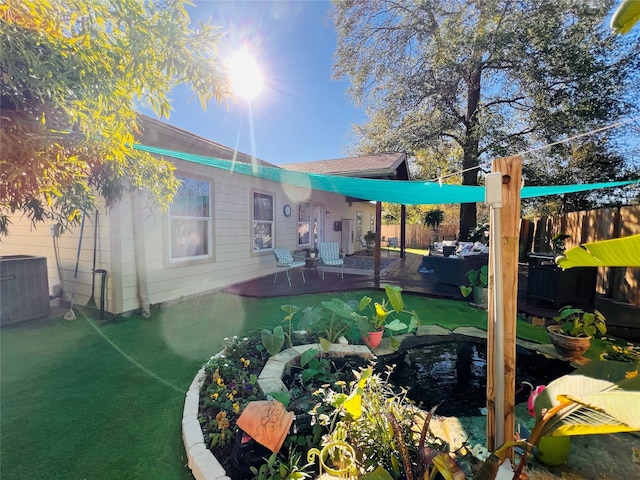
[(454, 375)]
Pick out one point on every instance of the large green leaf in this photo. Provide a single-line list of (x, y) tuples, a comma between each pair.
[(394, 294), (272, 340), (603, 397)]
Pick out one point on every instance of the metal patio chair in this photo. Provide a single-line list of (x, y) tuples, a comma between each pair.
[(329, 253), (285, 260)]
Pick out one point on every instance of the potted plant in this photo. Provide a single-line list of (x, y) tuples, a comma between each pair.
[(373, 318), (370, 237), (557, 242), (571, 337), (433, 218), (478, 284), (370, 240)]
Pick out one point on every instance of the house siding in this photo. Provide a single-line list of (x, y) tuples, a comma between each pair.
[(232, 259)]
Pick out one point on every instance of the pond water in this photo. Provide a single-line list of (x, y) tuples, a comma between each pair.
[(455, 375)]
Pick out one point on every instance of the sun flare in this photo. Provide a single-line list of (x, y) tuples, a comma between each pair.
[(246, 77)]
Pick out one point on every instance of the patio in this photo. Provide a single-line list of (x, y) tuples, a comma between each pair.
[(622, 319)]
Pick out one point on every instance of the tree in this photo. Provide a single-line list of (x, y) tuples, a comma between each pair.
[(491, 76), (72, 75)]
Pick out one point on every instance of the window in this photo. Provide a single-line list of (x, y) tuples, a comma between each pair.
[(304, 224), (190, 220), (262, 222)]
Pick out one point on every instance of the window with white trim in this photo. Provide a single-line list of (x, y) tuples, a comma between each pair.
[(304, 224), (190, 220), (263, 216)]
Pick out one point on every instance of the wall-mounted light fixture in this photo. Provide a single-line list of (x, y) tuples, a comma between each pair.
[(327, 213)]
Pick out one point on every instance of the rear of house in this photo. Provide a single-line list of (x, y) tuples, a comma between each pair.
[(220, 230)]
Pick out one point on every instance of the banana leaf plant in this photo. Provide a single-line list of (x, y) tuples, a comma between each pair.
[(598, 398)]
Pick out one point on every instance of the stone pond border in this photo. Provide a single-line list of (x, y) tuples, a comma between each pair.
[(205, 466)]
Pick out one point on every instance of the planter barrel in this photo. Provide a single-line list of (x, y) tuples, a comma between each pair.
[(571, 347)]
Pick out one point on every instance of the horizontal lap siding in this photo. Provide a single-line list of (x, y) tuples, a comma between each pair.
[(24, 239), (233, 259)]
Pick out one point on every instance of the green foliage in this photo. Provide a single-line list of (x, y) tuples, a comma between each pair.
[(280, 467), (487, 81), (621, 353), (327, 325), (232, 384), (576, 322), (72, 75), (314, 368), (273, 340), (558, 242), (433, 218), (477, 278), (370, 236), (388, 314)]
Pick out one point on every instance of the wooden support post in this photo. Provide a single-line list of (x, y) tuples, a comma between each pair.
[(376, 258), (511, 169), (403, 230)]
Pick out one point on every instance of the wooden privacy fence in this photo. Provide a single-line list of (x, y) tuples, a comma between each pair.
[(419, 236), (535, 236), (618, 283)]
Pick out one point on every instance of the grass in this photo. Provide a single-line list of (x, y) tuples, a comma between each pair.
[(103, 400)]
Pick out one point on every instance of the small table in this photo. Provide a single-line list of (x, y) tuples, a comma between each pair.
[(312, 263)]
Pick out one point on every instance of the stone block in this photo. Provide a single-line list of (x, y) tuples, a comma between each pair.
[(286, 356), (340, 351), (303, 348), (471, 332), (191, 402), (273, 369), (198, 380), (431, 330), (192, 434), (268, 385), (206, 467), (195, 450)]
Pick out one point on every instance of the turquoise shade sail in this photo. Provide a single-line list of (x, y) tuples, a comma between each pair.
[(391, 191)]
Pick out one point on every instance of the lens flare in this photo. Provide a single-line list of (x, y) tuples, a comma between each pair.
[(246, 77)]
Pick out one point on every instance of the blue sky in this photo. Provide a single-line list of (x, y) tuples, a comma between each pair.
[(301, 115)]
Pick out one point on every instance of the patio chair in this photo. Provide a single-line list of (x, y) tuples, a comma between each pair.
[(329, 253), (285, 260), (392, 242)]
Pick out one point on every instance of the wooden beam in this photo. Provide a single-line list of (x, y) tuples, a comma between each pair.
[(511, 169), (376, 258), (403, 230)]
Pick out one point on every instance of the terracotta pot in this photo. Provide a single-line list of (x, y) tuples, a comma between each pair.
[(373, 339), (571, 347)]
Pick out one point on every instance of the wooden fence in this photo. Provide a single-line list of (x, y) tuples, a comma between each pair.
[(618, 283), (419, 236)]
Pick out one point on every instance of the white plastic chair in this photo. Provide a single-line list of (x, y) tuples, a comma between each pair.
[(329, 254), (285, 260)]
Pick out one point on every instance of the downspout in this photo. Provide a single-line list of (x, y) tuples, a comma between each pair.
[(140, 254)]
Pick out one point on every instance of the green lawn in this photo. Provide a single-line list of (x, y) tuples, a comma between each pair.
[(86, 399)]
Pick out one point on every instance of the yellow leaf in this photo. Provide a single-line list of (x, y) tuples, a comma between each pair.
[(629, 375), (353, 405)]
